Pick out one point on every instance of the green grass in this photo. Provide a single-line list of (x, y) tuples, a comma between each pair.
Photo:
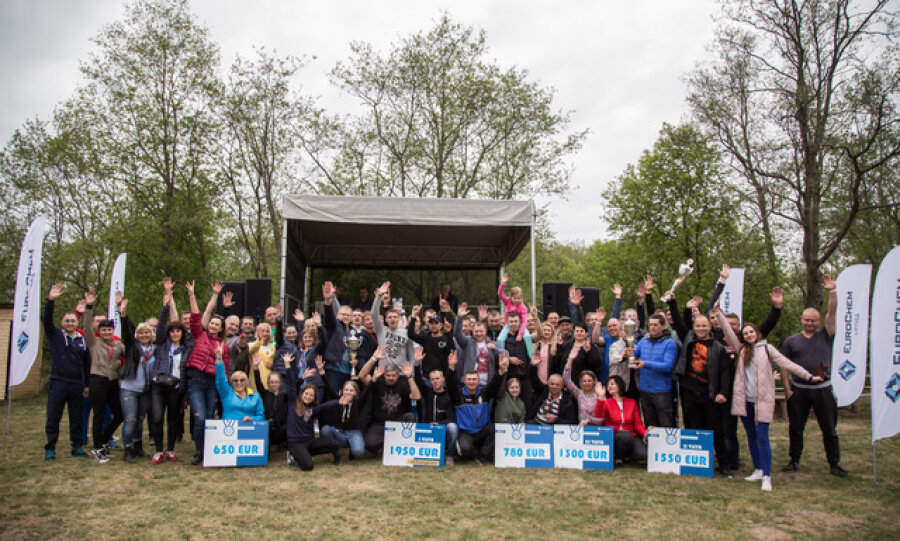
[(76, 498)]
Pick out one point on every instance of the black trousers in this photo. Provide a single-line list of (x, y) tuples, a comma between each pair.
[(104, 392), (304, 451), (824, 404), (628, 446), (61, 394), (374, 436), (701, 413), (165, 404), (731, 437), (657, 409), (480, 444)]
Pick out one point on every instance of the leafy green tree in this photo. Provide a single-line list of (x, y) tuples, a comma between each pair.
[(442, 121), (803, 99)]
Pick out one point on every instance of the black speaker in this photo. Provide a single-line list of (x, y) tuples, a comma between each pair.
[(237, 297), (257, 296), (556, 298), (591, 300)]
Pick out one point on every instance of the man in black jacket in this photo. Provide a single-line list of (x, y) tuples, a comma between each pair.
[(70, 366)]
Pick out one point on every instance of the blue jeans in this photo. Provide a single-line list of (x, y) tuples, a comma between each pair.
[(134, 408), (758, 440), (202, 396), (346, 438), (452, 435), (61, 394)]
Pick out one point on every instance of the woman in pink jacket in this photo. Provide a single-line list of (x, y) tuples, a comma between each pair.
[(754, 391)]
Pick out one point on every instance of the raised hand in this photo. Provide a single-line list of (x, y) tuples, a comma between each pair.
[(288, 359), (90, 298), (503, 362), (217, 286), (320, 364), (55, 291), (617, 290), (118, 297), (380, 353), (452, 359), (327, 291), (219, 350), (415, 310), (601, 314), (777, 297), (190, 287), (532, 309), (504, 278), (82, 304), (309, 373), (648, 283), (298, 315), (419, 355), (725, 273), (641, 291), (317, 318), (379, 371), (694, 303), (482, 312), (123, 306), (167, 297), (407, 369), (278, 310), (536, 358), (828, 282), (383, 288), (168, 284), (445, 306), (463, 309), (227, 301), (575, 296)]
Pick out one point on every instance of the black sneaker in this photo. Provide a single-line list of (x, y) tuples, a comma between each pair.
[(838, 471), (726, 473), (197, 460), (791, 467), (337, 459)]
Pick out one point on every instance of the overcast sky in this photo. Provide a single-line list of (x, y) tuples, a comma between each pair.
[(618, 65)]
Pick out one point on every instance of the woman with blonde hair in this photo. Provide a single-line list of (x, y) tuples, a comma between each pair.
[(753, 398), (262, 352), (545, 350)]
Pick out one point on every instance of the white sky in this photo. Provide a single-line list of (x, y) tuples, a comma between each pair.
[(618, 65)]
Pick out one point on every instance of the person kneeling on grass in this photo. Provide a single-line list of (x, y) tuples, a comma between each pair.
[(391, 397), (239, 402), (439, 400), (302, 413), (621, 413), (346, 427)]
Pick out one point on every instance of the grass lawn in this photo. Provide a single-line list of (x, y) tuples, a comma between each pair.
[(77, 498)]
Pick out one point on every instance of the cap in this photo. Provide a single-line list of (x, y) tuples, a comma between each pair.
[(565, 319)]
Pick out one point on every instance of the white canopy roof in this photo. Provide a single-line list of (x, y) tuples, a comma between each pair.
[(386, 232), (402, 233)]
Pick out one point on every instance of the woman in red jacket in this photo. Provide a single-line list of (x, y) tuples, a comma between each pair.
[(200, 370), (622, 415)]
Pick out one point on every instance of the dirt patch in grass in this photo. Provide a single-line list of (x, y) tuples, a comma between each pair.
[(769, 533)]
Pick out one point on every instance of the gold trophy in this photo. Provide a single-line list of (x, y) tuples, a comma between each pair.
[(630, 327)]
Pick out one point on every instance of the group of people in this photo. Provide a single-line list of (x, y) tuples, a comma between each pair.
[(332, 380)]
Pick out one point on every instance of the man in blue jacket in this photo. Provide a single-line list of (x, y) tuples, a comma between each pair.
[(656, 356), (70, 365)]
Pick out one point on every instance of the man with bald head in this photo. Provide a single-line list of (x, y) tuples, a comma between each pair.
[(811, 349)]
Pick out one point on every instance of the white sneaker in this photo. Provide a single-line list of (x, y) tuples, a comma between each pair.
[(290, 460), (99, 456), (755, 476), (767, 483)]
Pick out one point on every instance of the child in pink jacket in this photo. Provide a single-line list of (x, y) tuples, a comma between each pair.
[(513, 303)]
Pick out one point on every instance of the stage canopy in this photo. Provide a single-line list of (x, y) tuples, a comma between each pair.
[(399, 233)]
